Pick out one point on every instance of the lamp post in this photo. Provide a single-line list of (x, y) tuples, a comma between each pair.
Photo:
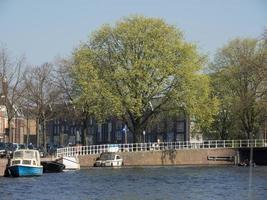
[(144, 134)]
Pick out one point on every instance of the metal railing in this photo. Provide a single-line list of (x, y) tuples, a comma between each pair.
[(161, 146)]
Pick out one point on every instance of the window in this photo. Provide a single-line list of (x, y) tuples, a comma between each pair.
[(180, 126), (18, 154), (26, 162), (15, 162)]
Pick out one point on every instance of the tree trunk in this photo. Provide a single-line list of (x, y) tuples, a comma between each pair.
[(84, 132), (137, 135), (37, 133), (9, 129), (28, 132), (44, 135)]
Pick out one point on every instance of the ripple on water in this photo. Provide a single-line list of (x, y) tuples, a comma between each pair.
[(166, 183)]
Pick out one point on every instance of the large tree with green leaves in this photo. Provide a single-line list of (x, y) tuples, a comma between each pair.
[(138, 69), (225, 124), (240, 77)]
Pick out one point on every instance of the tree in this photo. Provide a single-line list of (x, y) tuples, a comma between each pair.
[(63, 79), (40, 96), (140, 62), (10, 75), (225, 124), (240, 72), (65, 84)]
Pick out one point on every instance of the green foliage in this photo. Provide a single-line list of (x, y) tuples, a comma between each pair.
[(239, 81), (141, 61)]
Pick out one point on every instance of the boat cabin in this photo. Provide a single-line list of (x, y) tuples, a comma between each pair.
[(26, 157), (109, 159)]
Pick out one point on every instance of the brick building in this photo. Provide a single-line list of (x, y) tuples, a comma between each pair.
[(17, 129), (3, 124)]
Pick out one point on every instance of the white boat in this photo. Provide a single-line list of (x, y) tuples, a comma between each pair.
[(71, 163), (109, 159), (25, 162)]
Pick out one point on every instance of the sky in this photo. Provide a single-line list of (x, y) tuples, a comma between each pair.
[(43, 30)]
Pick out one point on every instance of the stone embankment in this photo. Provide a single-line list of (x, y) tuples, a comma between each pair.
[(3, 163), (159, 158), (169, 157)]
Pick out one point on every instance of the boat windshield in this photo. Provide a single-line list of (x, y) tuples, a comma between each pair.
[(107, 156), (24, 154)]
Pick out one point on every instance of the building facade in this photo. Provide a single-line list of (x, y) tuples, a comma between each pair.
[(17, 130), (3, 124), (64, 132)]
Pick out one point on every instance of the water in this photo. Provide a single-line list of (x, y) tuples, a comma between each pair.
[(162, 183)]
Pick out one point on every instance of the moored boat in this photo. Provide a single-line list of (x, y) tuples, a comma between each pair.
[(71, 163), (52, 166), (109, 159), (25, 162)]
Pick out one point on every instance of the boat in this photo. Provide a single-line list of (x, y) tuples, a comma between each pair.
[(246, 163), (52, 166), (109, 159), (70, 163), (25, 162)]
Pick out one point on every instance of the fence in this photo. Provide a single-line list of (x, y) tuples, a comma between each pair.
[(137, 147)]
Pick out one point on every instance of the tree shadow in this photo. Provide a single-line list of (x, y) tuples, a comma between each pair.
[(168, 155)]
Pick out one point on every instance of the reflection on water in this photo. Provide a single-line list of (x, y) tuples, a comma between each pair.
[(140, 183)]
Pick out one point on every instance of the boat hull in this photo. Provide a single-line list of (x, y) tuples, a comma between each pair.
[(52, 166), (71, 163), (22, 170)]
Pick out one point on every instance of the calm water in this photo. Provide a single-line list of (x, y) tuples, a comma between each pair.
[(163, 183)]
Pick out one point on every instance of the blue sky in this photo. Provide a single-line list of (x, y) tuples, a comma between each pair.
[(45, 29)]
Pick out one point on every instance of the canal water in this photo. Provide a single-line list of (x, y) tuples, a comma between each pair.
[(148, 183)]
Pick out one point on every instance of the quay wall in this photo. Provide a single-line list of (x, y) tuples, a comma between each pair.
[(3, 163), (158, 158), (168, 157)]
